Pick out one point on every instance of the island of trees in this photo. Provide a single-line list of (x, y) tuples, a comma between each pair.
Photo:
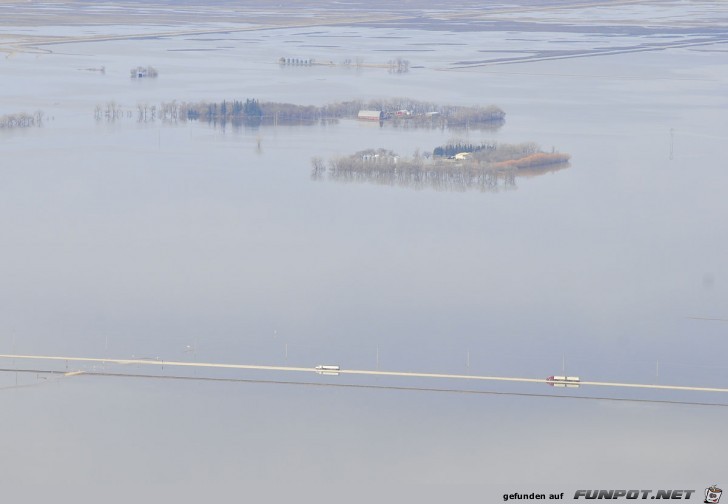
[(460, 167), (400, 112)]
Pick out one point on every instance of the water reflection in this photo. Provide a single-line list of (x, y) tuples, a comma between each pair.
[(397, 113), (483, 180), (21, 120), (458, 174), (207, 238)]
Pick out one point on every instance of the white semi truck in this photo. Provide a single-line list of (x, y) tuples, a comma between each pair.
[(563, 381), (327, 369)]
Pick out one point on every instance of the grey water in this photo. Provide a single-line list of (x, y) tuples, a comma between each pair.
[(192, 242)]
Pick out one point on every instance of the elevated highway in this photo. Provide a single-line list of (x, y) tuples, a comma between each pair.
[(363, 372)]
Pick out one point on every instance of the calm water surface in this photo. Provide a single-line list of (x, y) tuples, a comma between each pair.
[(189, 242)]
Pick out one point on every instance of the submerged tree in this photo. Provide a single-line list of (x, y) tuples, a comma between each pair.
[(143, 72), (21, 120), (382, 166)]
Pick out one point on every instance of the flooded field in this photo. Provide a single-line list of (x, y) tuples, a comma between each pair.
[(189, 241)]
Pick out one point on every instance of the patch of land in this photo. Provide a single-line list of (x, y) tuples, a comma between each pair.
[(615, 26), (488, 167), (399, 112)]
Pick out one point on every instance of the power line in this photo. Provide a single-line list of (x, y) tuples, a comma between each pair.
[(707, 318), (404, 374), (360, 386)]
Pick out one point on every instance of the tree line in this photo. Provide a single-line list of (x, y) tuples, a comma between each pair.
[(451, 149), (387, 168), (488, 152), (484, 170), (142, 72), (252, 112), (398, 65), (21, 120)]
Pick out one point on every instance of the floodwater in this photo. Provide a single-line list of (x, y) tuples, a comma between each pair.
[(193, 242)]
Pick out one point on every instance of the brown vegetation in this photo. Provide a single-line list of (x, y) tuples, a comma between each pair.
[(386, 168), (500, 155), (495, 168), (534, 160)]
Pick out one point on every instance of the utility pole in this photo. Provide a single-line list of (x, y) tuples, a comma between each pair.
[(13, 347)]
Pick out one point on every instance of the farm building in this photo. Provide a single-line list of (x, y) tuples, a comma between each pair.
[(371, 115)]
